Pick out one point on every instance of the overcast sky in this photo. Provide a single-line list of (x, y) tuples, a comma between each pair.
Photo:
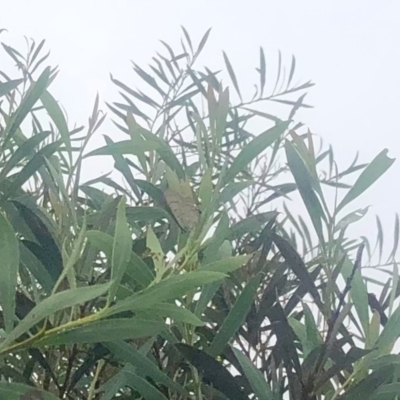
[(350, 49)]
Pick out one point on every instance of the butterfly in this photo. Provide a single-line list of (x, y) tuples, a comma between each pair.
[(183, 209)]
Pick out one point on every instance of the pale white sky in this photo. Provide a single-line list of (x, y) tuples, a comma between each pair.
[(350, 49)]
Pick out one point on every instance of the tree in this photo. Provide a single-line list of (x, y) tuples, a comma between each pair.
[(184, 274)]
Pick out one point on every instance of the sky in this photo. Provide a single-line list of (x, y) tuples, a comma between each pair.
[(350, 49)]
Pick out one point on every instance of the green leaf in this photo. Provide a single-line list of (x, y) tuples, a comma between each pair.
[(9, 86), (256, 379), (232, 74), (390, 333), (206, 190), (56, 114), (386, 392), (297, 265), (253, 149), (137, 269), (167, 289), (122, 165), (176, 313), (24, 150), (358, 293), (233, 189), (18, 391), (304, 183), (32, 96), (226, 265), (52, 304), (146, 389), (9, 255), (252, 224), (37, 161), (104, 331), (164, 151), (123, 147), (212, 372), (124, 352), (375, 169), (122, 248), (235, 318), (351, 218)]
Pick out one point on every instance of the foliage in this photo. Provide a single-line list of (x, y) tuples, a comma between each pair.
[(185, 274)]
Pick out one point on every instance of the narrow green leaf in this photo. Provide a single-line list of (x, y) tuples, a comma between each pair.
[(9, 86), (123, 147), (226, 265), (386, 392), (233, 189), (297, 265), (146, 389), (18, 391), (375, 169), (262, 71), (24, 150), (232, 74), (137, 269), (235, 318), (253, 149), (32, 167), (32, 96), (202, 43), (252, 224), (212, 372), (104, 331), (122, 248), (56, 114), (124, 352), (9, 255), (176, 313), (304, 183), (256, 379), (390, 333), (358, 292), (167, 289), (52, 304)]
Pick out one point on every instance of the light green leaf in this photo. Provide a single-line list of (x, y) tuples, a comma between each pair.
[(358, 293), (351, 218), (226, 265), (123, 147), (253, 149), (56, 114), (233, 189), (169, 288), (32, 96), (52, 304), (375, 169), (9, 265), (206, 190), (104, 331), (176, 313), (389, 334), (137, 269), (303, 180), (22, 151), (9, 86), (256, 379), (32, 167), (251, 224), (122, 248), (235, 318)]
